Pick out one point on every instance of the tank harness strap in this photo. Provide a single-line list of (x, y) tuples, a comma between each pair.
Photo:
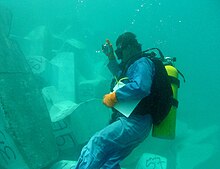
[(174, 80), (174, 102)]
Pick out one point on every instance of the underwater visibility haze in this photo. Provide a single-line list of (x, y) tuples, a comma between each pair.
[(54, 75)]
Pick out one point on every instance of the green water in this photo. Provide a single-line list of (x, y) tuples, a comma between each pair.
[(188, 30)]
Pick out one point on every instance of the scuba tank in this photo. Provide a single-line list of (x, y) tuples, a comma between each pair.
[(167, 127)]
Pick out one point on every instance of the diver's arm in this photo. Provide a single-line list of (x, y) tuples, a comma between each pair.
[(140, 75), (113, 66)]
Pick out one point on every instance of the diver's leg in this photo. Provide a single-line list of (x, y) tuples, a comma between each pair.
[(95, 153), (112, 144), (130, 138), (114, 160)]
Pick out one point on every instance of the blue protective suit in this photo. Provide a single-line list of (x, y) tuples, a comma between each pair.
[(112, 144)]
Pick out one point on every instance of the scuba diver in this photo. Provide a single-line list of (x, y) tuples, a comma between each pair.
[(107, 148)]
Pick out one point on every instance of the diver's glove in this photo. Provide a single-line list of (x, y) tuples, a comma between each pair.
[(107, 49), (110, 99)]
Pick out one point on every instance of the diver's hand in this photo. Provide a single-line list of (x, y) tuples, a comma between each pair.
[(108, 50), (110, 99)]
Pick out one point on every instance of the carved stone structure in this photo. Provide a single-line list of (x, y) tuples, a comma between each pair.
[(26, 136)]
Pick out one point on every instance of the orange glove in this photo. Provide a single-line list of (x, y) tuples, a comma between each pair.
[(110, 99)]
